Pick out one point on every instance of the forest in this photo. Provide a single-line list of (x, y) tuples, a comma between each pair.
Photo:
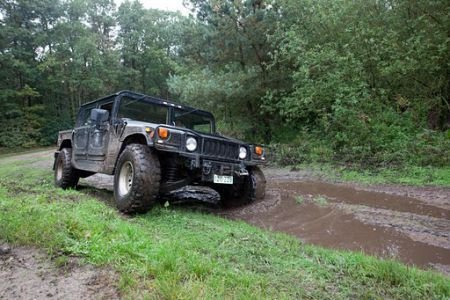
[(349, 81)]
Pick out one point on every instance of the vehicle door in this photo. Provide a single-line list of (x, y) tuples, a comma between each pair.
[(99, 135), (81, 133)]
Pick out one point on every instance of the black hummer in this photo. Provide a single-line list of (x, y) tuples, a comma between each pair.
[(153, 146)]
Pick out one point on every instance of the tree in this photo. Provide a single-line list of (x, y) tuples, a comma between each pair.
[(231, 50)]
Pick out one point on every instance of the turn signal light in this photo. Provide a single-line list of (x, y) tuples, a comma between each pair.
[(163, 133), (259, 150)]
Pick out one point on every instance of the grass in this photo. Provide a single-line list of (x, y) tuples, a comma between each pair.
[(320, 200), (172, 253), (411, 175), (299, 199)]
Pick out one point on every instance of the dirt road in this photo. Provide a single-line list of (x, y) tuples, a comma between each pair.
[(410, 224)]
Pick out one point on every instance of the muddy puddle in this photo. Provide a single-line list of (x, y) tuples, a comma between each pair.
[(386, 223), (329, 223)]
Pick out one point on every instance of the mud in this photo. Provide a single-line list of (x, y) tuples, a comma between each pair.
[(28, 273), (353, 195), (423, 242)]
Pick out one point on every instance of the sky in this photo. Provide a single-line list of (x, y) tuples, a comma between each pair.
[(173, 5)]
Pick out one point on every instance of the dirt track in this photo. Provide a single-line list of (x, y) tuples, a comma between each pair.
[(28, 273), (411, 224)]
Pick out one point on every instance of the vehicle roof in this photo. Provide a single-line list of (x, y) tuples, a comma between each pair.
[(157, 100)]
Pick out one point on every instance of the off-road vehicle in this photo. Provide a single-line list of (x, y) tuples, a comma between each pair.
[(153, 146)]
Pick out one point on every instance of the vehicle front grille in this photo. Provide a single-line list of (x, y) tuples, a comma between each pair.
[(220, 149)]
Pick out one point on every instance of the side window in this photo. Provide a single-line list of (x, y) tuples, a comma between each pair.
[(83, 116), (108, 107)]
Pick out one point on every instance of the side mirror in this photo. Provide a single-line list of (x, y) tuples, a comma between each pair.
[(99, 116)]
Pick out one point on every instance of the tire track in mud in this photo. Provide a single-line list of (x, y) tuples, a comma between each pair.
[(28, 273), (383, 224)]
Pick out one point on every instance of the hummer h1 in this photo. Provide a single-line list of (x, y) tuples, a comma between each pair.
[(153, 146)]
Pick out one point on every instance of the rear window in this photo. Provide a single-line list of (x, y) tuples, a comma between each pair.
[(140, 110)]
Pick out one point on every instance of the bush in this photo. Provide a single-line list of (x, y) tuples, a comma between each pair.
[(30, 127), (21, 128), (49, 132), (384, 138)]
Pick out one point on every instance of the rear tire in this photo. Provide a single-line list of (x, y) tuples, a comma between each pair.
[(65, 174), (247, 190), (137, 179)]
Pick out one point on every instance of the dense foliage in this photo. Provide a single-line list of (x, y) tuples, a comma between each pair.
[(358, 81)]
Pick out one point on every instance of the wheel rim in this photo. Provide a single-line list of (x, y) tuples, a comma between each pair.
[(59, 170), (126, 178)]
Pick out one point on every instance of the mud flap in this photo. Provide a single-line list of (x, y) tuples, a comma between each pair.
[(54, 161)]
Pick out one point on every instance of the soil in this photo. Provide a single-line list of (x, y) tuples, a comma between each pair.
[(28, 273)]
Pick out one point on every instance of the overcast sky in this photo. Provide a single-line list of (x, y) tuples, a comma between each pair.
[(173, 5)]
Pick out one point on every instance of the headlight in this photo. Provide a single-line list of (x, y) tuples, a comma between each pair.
[(191, 144), (242, 152)]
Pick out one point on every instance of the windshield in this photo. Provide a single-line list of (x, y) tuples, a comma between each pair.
[(139, 110), (194, 120)]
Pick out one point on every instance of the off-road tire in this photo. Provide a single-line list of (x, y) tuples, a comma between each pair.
[(142, 193), (66, 175), (245, 191)]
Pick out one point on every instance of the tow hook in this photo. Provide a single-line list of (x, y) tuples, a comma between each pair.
[(242, 172), (207, 169)]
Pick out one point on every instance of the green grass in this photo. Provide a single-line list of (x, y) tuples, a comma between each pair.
[(411, 175), (320, 200), (179, 254), (299, 199)]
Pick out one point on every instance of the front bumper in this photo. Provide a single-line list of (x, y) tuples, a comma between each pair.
[(210, 168)]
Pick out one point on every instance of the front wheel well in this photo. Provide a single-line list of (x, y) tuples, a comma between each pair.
[(134, 139), (131, 139)]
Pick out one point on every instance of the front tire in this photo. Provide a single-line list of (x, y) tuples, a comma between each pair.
[(137, 179), (249, 189), (66, 175)]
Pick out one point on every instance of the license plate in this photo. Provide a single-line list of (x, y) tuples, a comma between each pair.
[(223, 179)]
